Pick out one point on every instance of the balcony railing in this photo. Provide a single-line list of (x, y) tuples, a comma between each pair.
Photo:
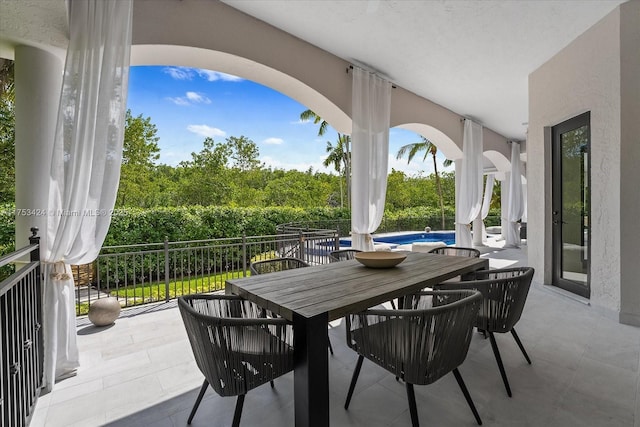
[(144, 273), (21, 356)]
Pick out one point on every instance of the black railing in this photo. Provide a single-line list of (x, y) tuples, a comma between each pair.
[(22, 354), (144, 273)]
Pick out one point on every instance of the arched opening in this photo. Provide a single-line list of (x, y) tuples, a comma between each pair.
[(247, 69), (444, 143)]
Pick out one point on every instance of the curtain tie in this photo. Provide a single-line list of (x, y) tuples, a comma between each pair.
[(59, 272)]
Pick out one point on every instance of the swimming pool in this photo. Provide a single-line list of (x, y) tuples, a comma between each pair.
[(448, 237)]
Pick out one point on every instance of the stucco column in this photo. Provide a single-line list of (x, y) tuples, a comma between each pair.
[(38, 81), (477, 231), (504, 205)]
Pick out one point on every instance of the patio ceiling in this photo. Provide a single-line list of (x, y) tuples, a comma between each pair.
[(471, 57)]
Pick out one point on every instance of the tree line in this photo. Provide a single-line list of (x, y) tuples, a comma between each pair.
[(229, 173)]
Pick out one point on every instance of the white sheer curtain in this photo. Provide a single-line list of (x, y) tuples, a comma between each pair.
[(371, 107), (469, 198), (486, 202), (515, 208), (85, 166)]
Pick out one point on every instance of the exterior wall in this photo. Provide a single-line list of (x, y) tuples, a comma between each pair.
[(629, 158), (585, 76)]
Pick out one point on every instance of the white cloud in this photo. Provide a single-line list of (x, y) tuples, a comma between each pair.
[(187, 73), (213, 76), (273, 141), (179, 101), (206, 131), (173, 158), (190, 98), (179, 73), (198, 97), (416, 167), (300, 166)]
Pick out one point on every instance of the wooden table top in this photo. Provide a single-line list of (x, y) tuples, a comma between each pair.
[(346, 287)]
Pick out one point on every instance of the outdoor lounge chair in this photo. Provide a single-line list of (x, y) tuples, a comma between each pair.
[(505, 292), (419, 344), (236, 348)]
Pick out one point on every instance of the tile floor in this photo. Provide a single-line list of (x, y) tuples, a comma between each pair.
[(140, 372)]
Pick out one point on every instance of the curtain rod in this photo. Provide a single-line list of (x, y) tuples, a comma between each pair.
[(350, 67)]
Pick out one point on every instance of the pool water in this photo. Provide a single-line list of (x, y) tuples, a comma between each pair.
[(447, 237)]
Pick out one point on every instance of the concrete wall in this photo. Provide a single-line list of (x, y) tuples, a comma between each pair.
[(587, 76), (630, 162)]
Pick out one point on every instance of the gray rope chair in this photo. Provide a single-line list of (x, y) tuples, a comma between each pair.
[(343, 255), (505, 293), (235, 347), (421, 343), (456, 251), (276, 264)]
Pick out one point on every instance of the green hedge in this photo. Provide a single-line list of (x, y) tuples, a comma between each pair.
[(132, 225)]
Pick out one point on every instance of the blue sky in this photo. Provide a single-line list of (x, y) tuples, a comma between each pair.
[(188, 104)]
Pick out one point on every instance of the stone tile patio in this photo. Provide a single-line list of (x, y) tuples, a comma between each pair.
[(140, 372)]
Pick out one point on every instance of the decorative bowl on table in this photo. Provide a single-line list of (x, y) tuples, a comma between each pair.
[(380, 259)]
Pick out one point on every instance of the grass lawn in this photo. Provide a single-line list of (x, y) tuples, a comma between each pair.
[(152, 292)]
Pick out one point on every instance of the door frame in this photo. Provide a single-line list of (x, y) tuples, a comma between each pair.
[(576, 122)]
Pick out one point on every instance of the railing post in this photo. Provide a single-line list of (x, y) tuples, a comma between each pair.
[(35, 257), (34, 238), (244, 254), (336, 246), (300, 243), (166, 269)]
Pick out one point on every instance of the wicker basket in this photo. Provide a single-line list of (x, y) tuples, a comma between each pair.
[(84, 274)]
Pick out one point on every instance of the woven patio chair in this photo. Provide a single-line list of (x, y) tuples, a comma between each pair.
[(419, 344), (343, 255), (456, 251), (276, 264), (504, 294), (235, 347)]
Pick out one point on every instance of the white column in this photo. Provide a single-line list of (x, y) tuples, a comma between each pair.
[(38, 81), (477, 231), (504, 205)]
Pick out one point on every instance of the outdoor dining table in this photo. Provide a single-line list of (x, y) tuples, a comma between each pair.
[(311, 297)]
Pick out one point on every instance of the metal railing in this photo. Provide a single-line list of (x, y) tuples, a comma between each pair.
[(22, 354), (144, 273)]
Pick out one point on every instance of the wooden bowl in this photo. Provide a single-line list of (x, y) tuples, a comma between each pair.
[(380, 259)]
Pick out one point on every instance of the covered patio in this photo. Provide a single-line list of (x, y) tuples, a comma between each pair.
[(141, 372), (585, 355)]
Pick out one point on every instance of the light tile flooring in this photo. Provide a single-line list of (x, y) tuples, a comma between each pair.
[(140, 372)]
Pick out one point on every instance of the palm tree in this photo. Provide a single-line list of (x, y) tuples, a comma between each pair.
[(429, 148), (339, 155)]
